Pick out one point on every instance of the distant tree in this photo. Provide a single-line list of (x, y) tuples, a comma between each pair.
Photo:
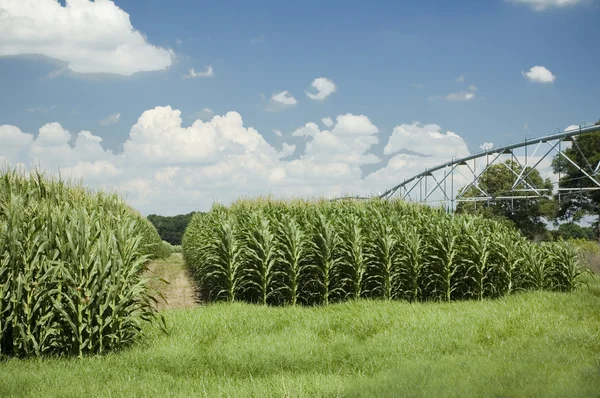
[(527, 215), (171, 229), (571, 230), (585, 151)]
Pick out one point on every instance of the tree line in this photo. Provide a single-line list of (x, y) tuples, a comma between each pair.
[(171, 229)]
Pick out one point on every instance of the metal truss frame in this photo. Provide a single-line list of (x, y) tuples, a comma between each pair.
[(440, 180)]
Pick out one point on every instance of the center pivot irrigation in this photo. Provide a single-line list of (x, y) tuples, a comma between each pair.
[(440, 184)]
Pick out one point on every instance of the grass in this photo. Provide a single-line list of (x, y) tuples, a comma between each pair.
[(531, 344)]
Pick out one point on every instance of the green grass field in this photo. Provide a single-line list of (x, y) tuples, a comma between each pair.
[(532, 344)]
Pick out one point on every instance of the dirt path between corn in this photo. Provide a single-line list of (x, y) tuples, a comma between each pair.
[(180, 291)]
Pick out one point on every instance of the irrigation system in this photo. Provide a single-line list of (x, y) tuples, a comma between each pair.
[(448, 183)]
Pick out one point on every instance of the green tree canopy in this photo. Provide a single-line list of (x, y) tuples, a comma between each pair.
[(527, 215), (171, 229), (571, 230), (585, 151)]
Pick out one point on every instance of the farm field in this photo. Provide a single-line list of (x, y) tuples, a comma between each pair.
[(527, 344)]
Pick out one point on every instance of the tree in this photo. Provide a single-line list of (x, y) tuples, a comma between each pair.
[(571, 230), (585, 151), (171, 229), (527, 215)]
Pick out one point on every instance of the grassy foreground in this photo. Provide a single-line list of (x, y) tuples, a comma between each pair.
[(531, 344)]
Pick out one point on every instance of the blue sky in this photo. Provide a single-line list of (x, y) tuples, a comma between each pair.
[(393, 62)]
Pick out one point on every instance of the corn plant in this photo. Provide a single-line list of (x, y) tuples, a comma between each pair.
[(383, 257), (262, 257), (443, 255), (412, 252), (293, 249), (353, 256), (72, 267), (325, 258), (221, 262), (318, 252), (478, 266), (539, 271), (565, 266)]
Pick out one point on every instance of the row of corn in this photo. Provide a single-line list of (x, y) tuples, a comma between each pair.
[(71, 268), (318, 252)]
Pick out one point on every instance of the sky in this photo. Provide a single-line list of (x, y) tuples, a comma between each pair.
[(179, 104)]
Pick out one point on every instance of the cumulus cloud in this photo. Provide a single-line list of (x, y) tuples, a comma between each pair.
[(324, 87), (278, 133), (287, 150), (90, 37), (539, 74), (158, 137), (113, 118), (542, 5), (192, 73), (167, 167), (426, 140), (347, 142)]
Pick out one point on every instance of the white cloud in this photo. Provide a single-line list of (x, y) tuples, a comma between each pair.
[(13, 142), (280, 101), (572, 127), (462, 95), (113, 118), (460, 79), (348, 141), (53, 134), (90, 37), (278, 133), (287, 150), (539, 74), (284, 98), (327, 121), (168, 168), (204, 114), (350, 124), (427, 140), (192, 73), (325, 87), (541, 5), (486, 146), (158, 137)]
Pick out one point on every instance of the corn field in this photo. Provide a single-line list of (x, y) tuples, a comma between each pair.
[(71, 264), (302, 252)]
